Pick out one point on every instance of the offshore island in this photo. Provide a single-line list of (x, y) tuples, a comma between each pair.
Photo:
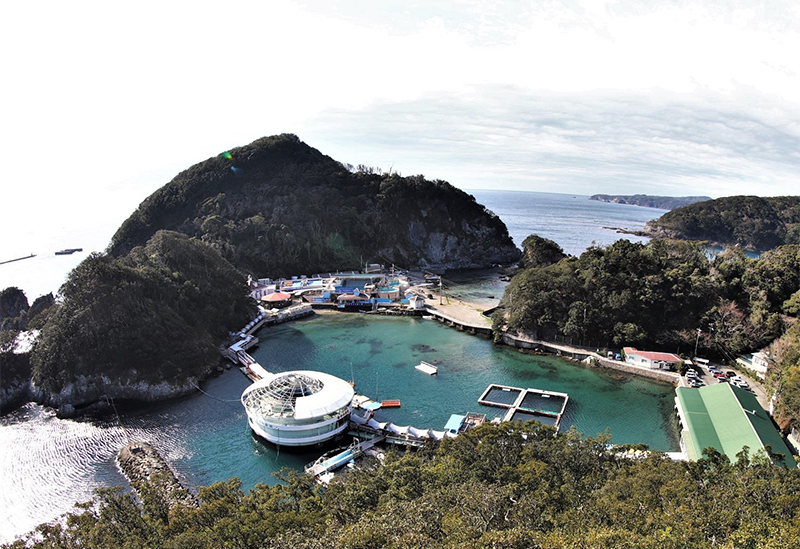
[(142, 322)]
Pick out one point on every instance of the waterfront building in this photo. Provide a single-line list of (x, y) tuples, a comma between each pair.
[(298, 408), (651, 359), (727, 418), (277, 300)]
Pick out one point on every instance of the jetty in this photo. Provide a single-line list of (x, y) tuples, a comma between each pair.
[(462, 317), (17, 259), (546, 407), (145, 469)]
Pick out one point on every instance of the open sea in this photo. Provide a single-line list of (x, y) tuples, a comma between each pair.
[(47, 464)]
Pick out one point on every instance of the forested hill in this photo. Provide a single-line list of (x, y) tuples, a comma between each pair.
[(751, 222), (278, 207), (660, 202)]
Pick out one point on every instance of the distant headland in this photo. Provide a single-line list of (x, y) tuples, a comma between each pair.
[(660, 202)]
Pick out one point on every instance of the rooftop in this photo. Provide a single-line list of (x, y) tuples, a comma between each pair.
[(727, 418)]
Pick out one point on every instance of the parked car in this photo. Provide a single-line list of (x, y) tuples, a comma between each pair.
[(731, 373), (714, 370), (741, 383), (696, 383), (720, 375), (722, 379)]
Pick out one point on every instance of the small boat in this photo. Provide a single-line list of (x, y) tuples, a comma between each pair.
[(392, 403), (427, 368), (68, 251)]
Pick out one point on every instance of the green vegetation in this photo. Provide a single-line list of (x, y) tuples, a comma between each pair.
[(660, 202), (540, 252), (278, 207), (506, 486), (751, 222), (658, 295), (153, 316)]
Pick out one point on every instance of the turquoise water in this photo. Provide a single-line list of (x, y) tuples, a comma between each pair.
[(46, 464), (379, 354)]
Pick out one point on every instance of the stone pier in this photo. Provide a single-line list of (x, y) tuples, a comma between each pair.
[(144, 467)]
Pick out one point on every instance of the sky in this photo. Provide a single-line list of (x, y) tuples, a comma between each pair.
[(104, 102)]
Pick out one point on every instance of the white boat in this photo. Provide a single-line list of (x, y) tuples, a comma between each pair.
[(427, 368)]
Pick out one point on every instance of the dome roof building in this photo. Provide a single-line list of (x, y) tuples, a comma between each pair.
[(298, 408)]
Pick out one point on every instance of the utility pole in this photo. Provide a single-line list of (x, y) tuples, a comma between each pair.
[(696, 341), (440, 290)]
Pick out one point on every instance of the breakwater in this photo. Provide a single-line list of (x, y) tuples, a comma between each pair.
[(17, 259), (145, 469)]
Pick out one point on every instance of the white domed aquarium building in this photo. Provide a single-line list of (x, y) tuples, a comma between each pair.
[(299, 408)]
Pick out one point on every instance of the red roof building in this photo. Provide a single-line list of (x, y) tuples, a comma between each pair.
[(651, 359), (276, 298)]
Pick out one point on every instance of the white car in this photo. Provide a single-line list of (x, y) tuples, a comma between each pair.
[(741, 383)]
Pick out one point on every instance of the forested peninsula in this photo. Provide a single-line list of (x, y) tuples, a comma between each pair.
[(648, 201), (668, 295), (753, 223), (144, 320), (278, 207)]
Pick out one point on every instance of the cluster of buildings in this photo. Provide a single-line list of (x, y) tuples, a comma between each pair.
[(720, 416), (304, 408), (370, 290)]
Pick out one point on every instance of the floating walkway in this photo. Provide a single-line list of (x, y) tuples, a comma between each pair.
[(406, 435), (237, 352), (525, 404)]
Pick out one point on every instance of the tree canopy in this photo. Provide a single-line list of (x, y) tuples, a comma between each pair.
[(498, 486), (659, 295), (278, 207), (750, 222), (152, 316)]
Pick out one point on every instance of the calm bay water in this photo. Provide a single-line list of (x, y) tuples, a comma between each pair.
[(46, 464)]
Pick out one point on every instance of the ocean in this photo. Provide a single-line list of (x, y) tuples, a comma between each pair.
[(47, 464)]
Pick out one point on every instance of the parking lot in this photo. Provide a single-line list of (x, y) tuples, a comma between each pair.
[(706, 377)]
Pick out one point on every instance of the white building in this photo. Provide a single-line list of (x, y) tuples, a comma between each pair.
[(651, 359), (757, 362), (299, 408)]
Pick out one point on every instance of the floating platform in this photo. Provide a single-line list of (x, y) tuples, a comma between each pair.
[(427, 367), (546, 407)]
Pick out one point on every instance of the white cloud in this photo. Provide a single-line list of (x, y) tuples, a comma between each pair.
[(598, 93)]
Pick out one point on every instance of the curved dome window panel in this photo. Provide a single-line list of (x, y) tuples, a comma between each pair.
[(298, 408)]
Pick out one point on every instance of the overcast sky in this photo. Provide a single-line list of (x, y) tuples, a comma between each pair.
[(103, 102)]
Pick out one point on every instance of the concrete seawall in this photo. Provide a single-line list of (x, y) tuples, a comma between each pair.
[(575, 353)]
